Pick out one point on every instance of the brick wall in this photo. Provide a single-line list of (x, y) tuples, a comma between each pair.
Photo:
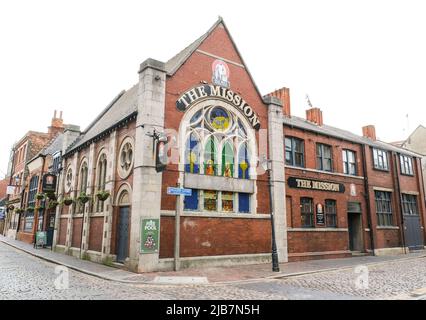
[(323, 241), (216, 236), (96, 233), (76, 232), (62, 231)]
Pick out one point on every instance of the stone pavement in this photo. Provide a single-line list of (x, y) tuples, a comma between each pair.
[(216, 275)]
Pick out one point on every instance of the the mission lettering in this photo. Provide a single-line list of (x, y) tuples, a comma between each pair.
[(201, 92), (315, 185)]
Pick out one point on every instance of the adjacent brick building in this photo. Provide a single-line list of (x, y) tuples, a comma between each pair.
[(22, 152), (371, 191)]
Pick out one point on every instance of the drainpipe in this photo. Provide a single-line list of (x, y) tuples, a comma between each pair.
[(367, 198), (422, 198), (398, 186)]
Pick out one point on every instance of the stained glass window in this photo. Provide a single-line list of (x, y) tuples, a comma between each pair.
[(210, 200), (217, 143), (243, 162), (227, 201), (192, 155), (227, 160)]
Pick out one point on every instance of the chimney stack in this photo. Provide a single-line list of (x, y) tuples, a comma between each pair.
[(284, 95), (57, 125), (314, 115), (369, 132)]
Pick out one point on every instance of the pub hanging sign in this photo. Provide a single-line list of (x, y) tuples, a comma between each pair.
[(318, 185), (49, 183)]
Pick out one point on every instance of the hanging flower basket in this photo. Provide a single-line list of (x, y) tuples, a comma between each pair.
[(30, 209), (52, 204), (103, 195), (51, 196), (19, 210), (83, 198), (39, 196), (68, 201)]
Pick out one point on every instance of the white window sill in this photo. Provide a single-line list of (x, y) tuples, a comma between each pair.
[(212, 214), (317, 229), (387, 228)]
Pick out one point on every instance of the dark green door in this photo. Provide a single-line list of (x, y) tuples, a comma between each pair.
[(123, 234)]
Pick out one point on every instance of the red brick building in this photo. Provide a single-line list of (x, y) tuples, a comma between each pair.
[(22, 152), (334, 193), (348, 193)]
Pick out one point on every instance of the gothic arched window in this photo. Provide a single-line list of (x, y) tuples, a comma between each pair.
[(217, 143), (101, 178)]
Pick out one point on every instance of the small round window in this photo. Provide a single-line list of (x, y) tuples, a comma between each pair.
[(219, 119), (125, 163)]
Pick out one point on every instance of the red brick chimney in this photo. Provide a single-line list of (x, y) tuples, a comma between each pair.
[(284, 95), (314, 115), (369, 132), (57, 125)]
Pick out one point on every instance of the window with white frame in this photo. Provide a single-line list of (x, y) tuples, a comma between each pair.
[(324, 157), (380, 159), (406, 165), (349, 162), (294, 152)]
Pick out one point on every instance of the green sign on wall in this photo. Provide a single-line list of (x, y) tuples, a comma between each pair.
[(150, 229)]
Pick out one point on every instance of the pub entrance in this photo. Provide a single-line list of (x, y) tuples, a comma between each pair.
[(123, 227), (50, 227), (355, 226)]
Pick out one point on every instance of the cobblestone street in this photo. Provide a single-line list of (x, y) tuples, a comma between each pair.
[(23, 276)]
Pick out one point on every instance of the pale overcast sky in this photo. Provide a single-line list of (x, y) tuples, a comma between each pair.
[(361, 62)]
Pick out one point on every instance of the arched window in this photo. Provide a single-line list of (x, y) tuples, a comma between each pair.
[(217, 143), (101, 181), (83, 177), (102, 166), (82, 184), (68, 180)]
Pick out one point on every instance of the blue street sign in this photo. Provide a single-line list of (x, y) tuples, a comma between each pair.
[(179, 191)]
